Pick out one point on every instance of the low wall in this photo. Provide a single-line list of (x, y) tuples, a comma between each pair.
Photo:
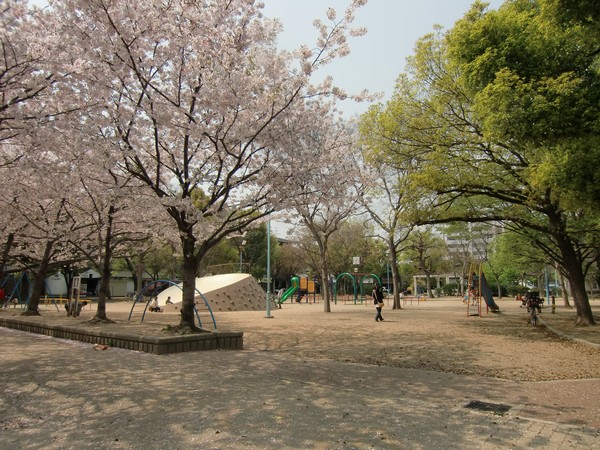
[(151, 344)]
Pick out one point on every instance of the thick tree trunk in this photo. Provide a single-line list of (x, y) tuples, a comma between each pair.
[(583, 308), (38, 282), (103, 288), (574, 271), (188, 242)]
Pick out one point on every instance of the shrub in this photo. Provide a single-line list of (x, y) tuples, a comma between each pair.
[(450, 289), (516, 289)]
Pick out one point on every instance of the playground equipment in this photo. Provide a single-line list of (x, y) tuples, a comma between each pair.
[(479, 290), (290, 291), (17, 286), (302, 285), (354, 285), (141, 302), (307, 286)]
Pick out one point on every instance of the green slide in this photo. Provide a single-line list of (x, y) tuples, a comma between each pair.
[(287, 294)]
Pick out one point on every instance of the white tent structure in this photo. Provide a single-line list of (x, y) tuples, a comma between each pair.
[(227, 292)]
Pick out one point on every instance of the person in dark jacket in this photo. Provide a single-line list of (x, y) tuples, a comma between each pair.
[(378, 301)]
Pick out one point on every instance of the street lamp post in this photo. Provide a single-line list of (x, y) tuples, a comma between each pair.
[(387, 255), (269, 316), (388, 276), (242, 254)]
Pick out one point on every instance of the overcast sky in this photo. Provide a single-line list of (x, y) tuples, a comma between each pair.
[(377, 58)]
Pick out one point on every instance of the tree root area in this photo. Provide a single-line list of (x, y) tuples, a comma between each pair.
[(182, 329), (98, 320)]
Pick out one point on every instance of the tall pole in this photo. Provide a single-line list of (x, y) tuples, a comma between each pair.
[(547, 283), (388, 277), (269, 270)]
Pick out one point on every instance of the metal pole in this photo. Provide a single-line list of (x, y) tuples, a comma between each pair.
[(388, 277), (547, 281), (269, 270)]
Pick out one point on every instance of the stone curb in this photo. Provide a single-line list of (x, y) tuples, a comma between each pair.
[(210, 340), (567, 336)]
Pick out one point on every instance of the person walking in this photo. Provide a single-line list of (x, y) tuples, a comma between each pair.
[(378, 301)]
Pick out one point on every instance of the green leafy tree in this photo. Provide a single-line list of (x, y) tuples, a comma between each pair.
[(255, 252), (291, 261), (517, 259), (428, 253), (353, 239), (222, 258), (499, 119), (163, 262)]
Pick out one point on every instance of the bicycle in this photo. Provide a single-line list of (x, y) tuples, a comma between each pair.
[(533, 316), (533, 307)]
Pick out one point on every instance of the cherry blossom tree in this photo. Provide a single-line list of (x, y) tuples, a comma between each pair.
[(112, 211), (35, 197), (196, 100), (22, 85), (327, 185), (20, 78)]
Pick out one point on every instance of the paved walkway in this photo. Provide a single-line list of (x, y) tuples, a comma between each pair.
[(60, 394)]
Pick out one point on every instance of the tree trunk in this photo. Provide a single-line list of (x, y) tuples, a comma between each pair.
[(38, 282), (325, 277), (104, 287), (428, 282), (68, 273), (574, 271), (134, 275), (563, 287), (139, 277), (395, 280), (497, 278), (190, 266)]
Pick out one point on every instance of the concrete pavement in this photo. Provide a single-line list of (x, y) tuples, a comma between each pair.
[(59, 394)]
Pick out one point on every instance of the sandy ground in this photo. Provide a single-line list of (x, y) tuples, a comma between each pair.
[(435, 335)]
